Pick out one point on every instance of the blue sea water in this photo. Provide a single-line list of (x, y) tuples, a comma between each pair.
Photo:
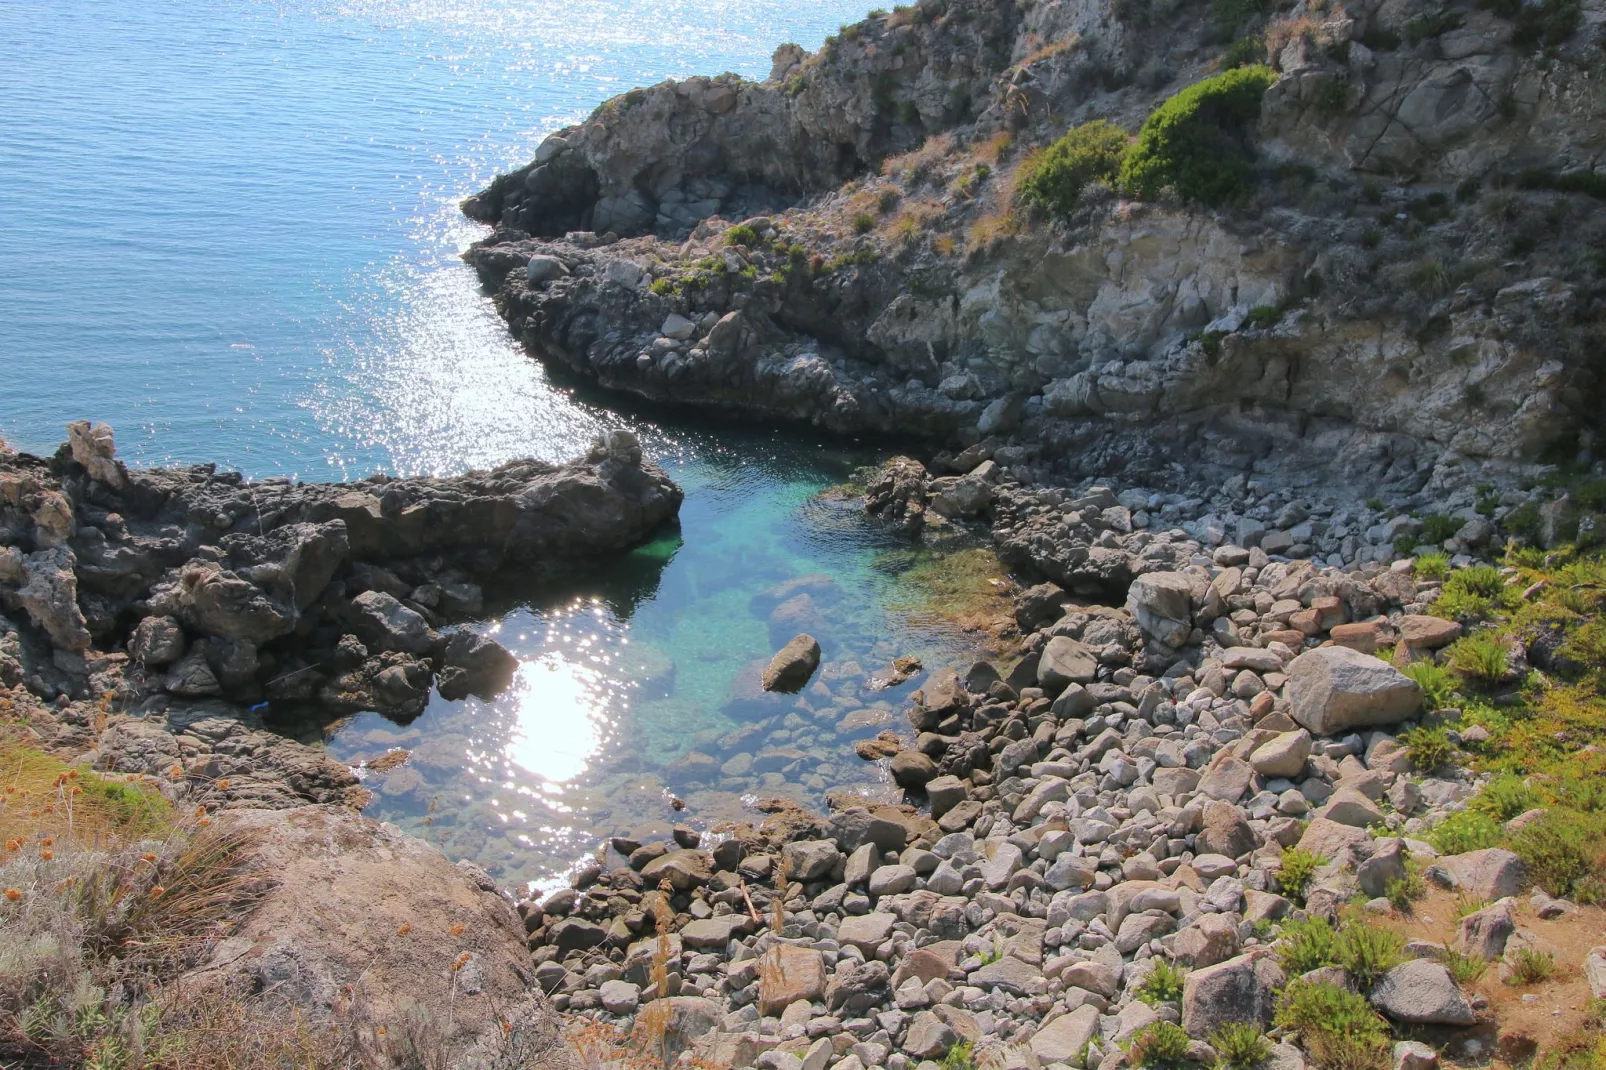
[(229, 229)]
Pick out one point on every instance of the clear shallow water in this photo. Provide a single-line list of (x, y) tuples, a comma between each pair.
[(229, 228)]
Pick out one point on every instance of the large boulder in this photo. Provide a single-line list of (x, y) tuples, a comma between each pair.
[(1243, 989), (1226, 831), (1162, 602), (1491, 874), (50, 595), (385, 624), (1333, 688), (474, 664), (1422, 992), (1064, 662), (788, 974), (792, 666), (395, 921)]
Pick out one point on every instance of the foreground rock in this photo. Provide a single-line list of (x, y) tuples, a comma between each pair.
[(1335, 688), (792, 665), (399, 941)]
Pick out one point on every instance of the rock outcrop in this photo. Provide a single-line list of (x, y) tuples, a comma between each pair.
[(196, 584), (1376, 317)]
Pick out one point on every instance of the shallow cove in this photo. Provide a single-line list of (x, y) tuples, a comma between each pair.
[(232, 233)]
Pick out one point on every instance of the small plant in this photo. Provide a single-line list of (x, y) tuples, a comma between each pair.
[(962, 1056), (1506, 796), (1240, 1046), (1307, 945), (1367, 952), (1053, 178), (1401, 892), (1437, 527), (1160, 1046), (1466, 969), (1437, 683), (1531, 967), (1197, 142), (1429, 748), (1562, 849), (1296, 871), (1465, 830), (1433, 566), (863, 223), (1339, 1028), (743, 235), (1481, 658), (1163, 984)]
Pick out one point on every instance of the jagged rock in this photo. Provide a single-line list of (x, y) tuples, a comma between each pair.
[(50, 595), (96, 449), (1211, 939), (156, 642), (1484, 932), (383, 623), (1242, 989), (1335, 688), (1494, 873), (1225, 831), (788, 974), (1065, 1039), (1065, 661), (1162, 602), (475, 665), (1422, 992), (792, 666), (192, 677)]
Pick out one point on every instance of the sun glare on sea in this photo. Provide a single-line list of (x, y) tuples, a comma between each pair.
[(560, 718)]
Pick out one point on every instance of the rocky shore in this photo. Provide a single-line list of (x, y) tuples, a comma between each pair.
[(1122, 798)]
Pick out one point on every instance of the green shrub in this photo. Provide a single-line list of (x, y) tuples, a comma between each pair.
[(1480, 657), (1438, 527), (1244, 52), (1307, 945), (1162, 985), (741, 234), (1296, 871), (1506, 796), (1561, 849), (1465, 830), (1197, 143), (1428, 748), (1434, 566), (863, 223), (1463, 967), (1054, 178), (1437, 683), (962, 1056), (1401, 892), (1531, 967), (1240, 1046), (1160, 1046), (1339, 1028), (1367, 952)]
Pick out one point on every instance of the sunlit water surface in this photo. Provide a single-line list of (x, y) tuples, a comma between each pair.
[(229, 228)]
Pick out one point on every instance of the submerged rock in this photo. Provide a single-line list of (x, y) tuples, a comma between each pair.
[(792, 665)]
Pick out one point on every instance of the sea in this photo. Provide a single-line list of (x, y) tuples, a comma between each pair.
[(230, 230)]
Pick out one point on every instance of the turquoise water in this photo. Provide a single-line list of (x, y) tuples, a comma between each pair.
[(229, 229)]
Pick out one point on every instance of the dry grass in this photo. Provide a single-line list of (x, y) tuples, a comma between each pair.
[(991, 227), (1041, 52), (915, 167), (1284, 31), (42, 796), (914, 220), (995, 148)]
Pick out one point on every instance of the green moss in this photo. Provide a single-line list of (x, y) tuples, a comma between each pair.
[(1053, 179), (1197, 143)]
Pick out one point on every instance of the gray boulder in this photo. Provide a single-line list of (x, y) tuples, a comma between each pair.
[(157, 641), (1243, 989), (1422, 992), (1064, 662), (383, 623), (1162, 602), (1333, 688), (1488, 874)]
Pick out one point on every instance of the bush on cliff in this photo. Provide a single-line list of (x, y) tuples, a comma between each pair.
[(1053, 179), (1197, 143)]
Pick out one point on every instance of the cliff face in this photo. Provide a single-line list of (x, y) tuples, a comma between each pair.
[(1410, 297)]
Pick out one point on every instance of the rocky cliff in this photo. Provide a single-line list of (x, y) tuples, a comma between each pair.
[(1407, 297)]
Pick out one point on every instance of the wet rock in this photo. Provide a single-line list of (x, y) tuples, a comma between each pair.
[(792, 666), (474, 664), (383, 623), (1335, 688), (911, 769)]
